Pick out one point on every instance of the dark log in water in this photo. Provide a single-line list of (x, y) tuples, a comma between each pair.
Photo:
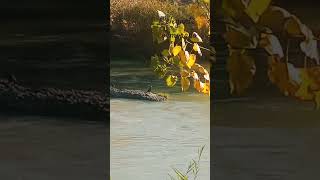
[(136, 94), (91, 105), (17, 99)]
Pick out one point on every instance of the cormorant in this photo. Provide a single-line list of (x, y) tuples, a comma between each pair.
[(11, 78), (149, 89)]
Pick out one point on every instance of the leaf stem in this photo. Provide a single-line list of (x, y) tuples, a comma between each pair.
[(202, 47)]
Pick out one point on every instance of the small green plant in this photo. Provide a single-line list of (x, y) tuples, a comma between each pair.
[(192, 170)]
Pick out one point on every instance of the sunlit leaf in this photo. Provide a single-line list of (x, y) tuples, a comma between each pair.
[(206, 88), (184, 57), (198, 85), (194, 75), (176, 50), (171, 80), (196, 48), (198, 68), (180, 29), (195, 37), (191, 60), (255, 8)]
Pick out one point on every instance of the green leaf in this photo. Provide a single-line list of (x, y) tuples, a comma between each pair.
[(172, 39), (180, 29), (165, 52)]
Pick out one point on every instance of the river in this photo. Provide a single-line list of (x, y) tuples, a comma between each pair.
[(149, 138)]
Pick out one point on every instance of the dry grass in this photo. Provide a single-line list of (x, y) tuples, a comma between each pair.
[(137, 15)]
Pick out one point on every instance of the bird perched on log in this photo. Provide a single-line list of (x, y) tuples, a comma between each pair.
[(11, 78), (149, 89)]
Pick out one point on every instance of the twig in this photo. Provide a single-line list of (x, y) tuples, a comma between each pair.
[(202, 47)]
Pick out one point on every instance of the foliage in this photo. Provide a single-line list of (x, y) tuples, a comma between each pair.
[(133, 15), (178, 62), (256, 24), (193, 168)]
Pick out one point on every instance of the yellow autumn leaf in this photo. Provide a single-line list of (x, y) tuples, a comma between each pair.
[(185, 83), (202, 87), (171, 80), (256, 8), (194, 75), (191, 60), (198, 85), (304, 92), (278, 74), (176, 50), (206, 75), (206, 88), (196, 48), (197, 67), (184, 57), (196, 38)]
